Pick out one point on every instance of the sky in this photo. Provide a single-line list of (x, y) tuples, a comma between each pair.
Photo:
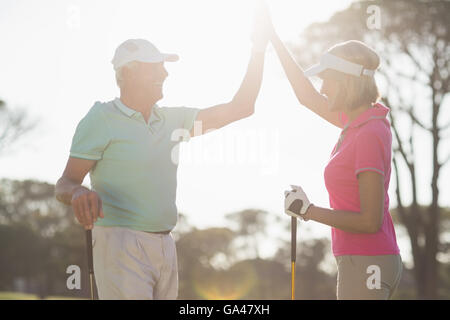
[(55, 63)]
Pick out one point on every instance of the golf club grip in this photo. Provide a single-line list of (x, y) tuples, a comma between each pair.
[(89, 251), (293, 239)]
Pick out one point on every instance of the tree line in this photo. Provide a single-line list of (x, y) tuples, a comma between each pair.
[(40, 238)]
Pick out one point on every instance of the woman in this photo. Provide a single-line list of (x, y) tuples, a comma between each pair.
[(358, 172)]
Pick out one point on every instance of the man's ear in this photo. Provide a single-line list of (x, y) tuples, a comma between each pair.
[(129, 74), (126, 74)]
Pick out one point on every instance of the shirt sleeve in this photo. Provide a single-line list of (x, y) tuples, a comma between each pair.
[(188, 116), (370, 153), (181, 121), (91, 136)]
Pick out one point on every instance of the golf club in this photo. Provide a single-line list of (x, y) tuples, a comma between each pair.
[(90, 261), (293, 254)]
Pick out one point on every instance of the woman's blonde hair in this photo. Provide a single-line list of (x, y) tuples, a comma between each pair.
[(357, 91)]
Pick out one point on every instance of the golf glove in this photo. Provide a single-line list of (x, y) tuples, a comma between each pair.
[(296, 202)]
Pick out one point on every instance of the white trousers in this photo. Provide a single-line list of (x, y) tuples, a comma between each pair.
[(356, 272), (136, 265)]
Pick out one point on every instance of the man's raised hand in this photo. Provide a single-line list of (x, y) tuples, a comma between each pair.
[(262, 26)]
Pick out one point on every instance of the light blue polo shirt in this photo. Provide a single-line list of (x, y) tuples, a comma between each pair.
[(135, 175)]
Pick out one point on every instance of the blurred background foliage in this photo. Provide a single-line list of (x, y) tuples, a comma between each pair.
[(40, 238)]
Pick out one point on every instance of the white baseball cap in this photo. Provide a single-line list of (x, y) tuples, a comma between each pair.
[(330, 61), (139, 50)]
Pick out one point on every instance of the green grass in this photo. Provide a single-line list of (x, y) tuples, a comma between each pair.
[(25, 296), (63, 298), (17, 296)]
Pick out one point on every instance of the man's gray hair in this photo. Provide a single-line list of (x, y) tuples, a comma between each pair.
[(119, 76)]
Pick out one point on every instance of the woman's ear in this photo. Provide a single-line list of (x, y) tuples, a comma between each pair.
[(333, 96)]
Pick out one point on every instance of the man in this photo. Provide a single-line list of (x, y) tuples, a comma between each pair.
[(126, 145)]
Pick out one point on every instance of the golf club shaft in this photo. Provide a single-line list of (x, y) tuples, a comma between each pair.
[(91, 281), (293, 281), (90, 261), (293, 254)]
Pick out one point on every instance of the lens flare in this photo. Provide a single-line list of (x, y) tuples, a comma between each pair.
[(231, 284)]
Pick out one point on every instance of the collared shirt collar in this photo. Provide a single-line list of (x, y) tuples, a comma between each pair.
[(377, 111), (122, 107), (154, 116)]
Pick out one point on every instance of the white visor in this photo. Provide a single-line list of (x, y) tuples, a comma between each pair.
[(330, 61)]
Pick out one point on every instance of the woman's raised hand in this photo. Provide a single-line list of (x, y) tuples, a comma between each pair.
[(262, 25)]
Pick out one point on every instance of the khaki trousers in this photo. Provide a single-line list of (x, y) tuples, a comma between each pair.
[(368, 277), (136, 265)]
